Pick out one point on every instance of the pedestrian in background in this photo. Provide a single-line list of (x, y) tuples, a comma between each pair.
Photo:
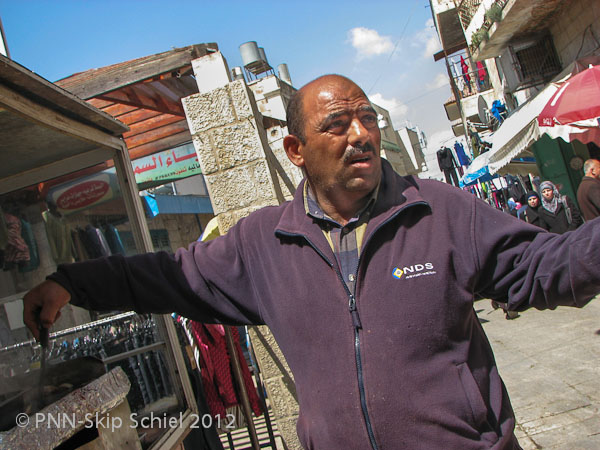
[(558, 213), (588, 194), (530, 213)]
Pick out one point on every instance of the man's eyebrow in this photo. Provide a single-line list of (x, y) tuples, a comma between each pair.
[(331, 117), (334, 115), (367, 108)]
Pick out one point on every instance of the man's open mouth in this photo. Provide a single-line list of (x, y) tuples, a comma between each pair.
[(360, 159)]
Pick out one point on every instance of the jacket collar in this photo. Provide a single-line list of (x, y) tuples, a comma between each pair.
[(395, 194)]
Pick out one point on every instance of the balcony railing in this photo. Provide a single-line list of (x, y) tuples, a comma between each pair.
[(469, 81), (466, 11)]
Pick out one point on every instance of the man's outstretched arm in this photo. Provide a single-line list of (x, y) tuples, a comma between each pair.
[(208, 282)]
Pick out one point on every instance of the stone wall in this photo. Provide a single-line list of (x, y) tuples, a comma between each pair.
[(575, 29), (242, 175)]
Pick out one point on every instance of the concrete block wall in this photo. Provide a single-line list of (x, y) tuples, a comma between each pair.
[(232, 149), (568, 26), (288, 175)]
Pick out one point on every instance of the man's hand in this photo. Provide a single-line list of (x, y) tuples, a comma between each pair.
[(42, 305)]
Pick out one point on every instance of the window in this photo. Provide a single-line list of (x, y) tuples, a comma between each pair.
[(160, 241), (535, 62)]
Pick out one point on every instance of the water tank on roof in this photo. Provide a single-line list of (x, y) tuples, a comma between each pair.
[(284, 73), (254, 58), (263, 55), (250, 53)]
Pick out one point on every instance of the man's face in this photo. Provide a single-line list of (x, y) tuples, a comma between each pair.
[(533, 202), (595, 170), (342, 140), (548, 193)]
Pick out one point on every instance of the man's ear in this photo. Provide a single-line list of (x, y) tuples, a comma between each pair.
[(292, 146)]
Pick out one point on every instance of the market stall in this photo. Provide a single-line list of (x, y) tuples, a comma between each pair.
[(47, 133)]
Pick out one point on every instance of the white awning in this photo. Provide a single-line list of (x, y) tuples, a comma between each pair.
[(519, 131)]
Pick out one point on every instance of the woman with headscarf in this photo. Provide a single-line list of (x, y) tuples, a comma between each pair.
[(558, 213), (530, 213)]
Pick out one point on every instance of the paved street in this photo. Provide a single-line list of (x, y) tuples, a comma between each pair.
[(550, 362)]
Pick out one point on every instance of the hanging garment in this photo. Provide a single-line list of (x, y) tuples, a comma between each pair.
[(480, 72), (17, 251), (515, 188), (78, 248), (3, 231), (216, 369), (114, 240), (498, 110), (34, 257), (94, 242), (463, 159), (59, 238), (451, 177), (465, 71), (446, 158)]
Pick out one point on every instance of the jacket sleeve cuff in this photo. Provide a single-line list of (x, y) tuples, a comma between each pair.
[(61, 279)]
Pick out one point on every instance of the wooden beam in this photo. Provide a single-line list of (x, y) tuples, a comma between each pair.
[(138, 115), (97, 103), (49, 118), (151, 124), (156, 134), (449, 51), (54, 169), (118, 109), (133, 98), (115, 77)]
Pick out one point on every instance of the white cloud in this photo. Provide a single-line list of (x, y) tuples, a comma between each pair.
[(396, 108), (369, 43), (439, 81), (427, 40)]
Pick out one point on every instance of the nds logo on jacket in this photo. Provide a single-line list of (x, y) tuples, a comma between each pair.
[(416, 270)]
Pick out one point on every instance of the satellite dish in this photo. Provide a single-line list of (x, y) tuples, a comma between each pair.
[(483, 109)]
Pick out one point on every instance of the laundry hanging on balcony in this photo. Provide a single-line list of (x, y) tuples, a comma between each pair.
[(480, 73), (465, 72)]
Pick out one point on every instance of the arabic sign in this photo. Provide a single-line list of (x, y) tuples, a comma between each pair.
[(179, 162), (83, 193)]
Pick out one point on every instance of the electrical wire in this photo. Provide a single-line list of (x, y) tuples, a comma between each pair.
[(395, 46)]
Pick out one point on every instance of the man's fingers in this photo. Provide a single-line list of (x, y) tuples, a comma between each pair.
[(41, 305), (31, 320)]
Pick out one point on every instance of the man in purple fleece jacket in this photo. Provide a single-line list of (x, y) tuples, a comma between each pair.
[(367, 280)]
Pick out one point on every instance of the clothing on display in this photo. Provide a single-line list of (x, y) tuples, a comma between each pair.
[(114, 239), (463, 159), (34, 257), (16, 251), (448, 165), (3, 231), (465, 72), (94, 242), (59, 237), (215, 367), (480, 73)]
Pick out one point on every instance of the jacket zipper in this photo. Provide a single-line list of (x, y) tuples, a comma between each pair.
[(358, 326), (356, 318)]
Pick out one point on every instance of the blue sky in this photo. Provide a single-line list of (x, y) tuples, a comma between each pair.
[(385, 46)]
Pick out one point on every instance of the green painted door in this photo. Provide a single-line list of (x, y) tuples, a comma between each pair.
[(553, 157)]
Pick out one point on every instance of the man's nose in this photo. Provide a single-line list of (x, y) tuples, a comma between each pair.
[(357, 133)]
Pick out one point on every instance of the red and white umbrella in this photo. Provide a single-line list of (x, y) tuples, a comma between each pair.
[(577, 101)]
